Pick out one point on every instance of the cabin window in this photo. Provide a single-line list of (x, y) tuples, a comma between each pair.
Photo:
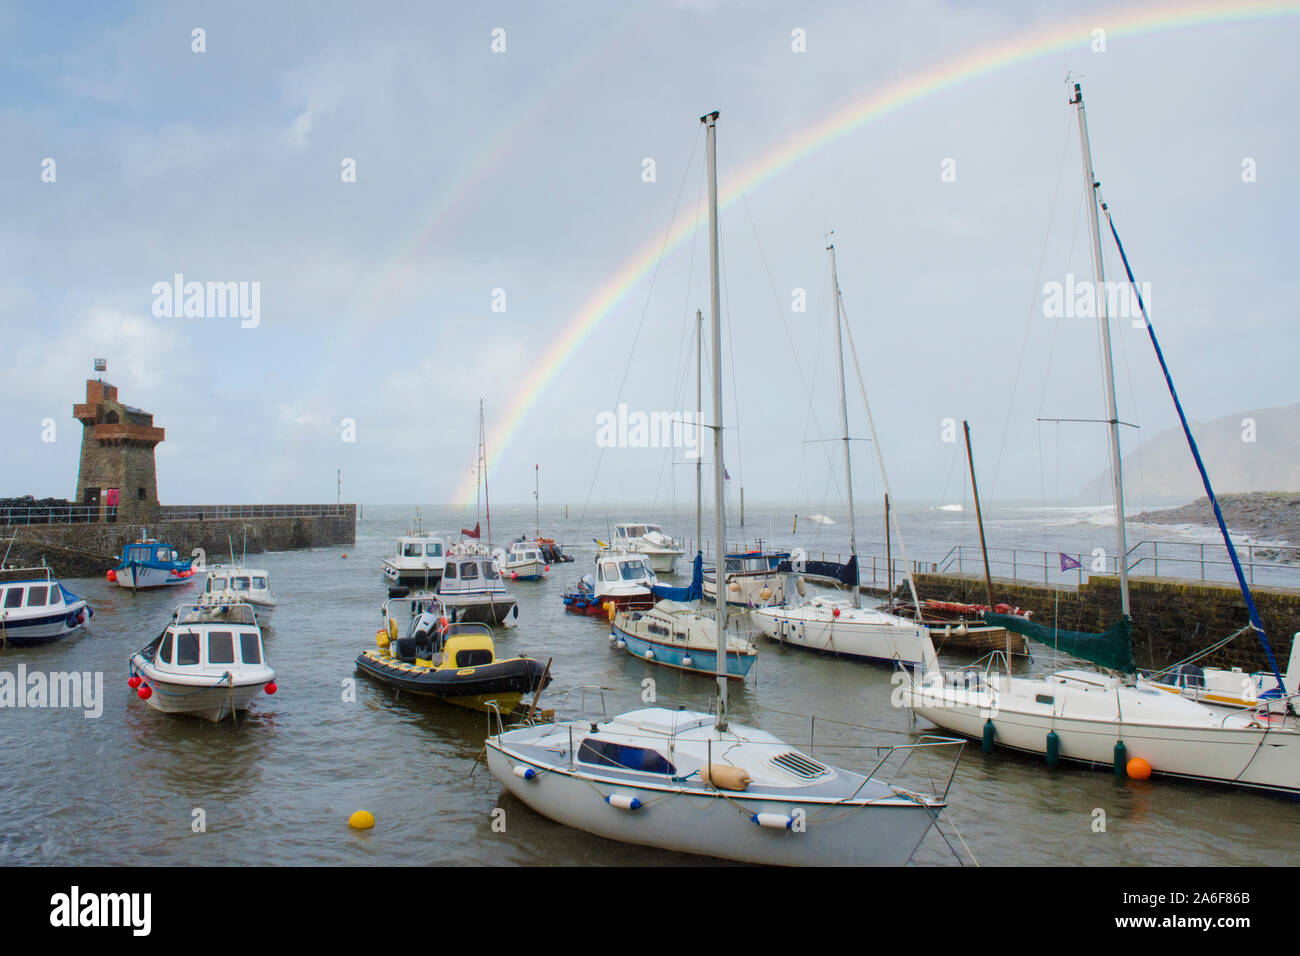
[(56, 597), (165, 652), (611, 571), (657, 629), (239, 584), (468, 571), (1044, 698), (450, 571), (490, 571), (14, 597), (259, 583), (609, 754), (473, 658), (218, 584), (36, 596), (165, 554), (221, 647), (249, 650), (633, 570), (433, 550), (187, 649), (410, 550)]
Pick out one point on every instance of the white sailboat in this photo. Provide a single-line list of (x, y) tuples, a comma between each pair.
[(837, 625), (1118, 721), (695, 782)]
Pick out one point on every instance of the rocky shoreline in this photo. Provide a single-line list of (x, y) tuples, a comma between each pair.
[(1272, 516)]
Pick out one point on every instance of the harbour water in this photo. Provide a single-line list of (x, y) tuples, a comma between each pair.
[(132, 786)]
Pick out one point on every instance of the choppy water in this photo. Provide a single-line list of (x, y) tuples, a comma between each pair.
[(277, 789)]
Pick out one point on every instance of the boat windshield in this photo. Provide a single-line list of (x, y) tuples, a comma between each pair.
[(490, 571), (633, 570), (433, 550)]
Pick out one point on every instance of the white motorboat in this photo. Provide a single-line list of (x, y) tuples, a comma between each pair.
[(622, 580), (522, 561), (208, 662), (147, 564), (661, 549), (695, 782), (239, 583), (37, 609), (472, 590), (418, 559), (1119, 721)]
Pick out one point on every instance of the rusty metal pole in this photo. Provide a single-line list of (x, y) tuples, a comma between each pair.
[(979, 516)]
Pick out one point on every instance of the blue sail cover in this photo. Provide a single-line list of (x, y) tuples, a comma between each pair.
[(846, 574), (692, 593)]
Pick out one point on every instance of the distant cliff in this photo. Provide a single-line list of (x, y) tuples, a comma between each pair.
[(1239, 456), (1270, 515)]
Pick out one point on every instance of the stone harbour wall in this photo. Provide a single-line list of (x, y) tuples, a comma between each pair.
[(89, 550)]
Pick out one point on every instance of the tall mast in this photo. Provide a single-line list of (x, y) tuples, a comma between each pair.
[(1090, 186), (537, 501), (979, 515), (710, 122), (844, 420), (482, 445), (699, 429)]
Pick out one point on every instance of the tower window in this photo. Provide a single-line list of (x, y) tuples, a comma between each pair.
[(139, 493)]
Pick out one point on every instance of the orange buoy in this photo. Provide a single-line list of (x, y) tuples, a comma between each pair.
[(345, 554), (1139, 769), (112, 575)]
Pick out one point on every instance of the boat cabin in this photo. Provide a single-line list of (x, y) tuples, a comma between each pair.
[(418, 547), (29, 588), (150, 552), (623, 569), (242, 581), (211, 641), (470, 574)]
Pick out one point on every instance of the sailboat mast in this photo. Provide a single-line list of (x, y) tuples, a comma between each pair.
[(1090, 186), (699, 430), (482, 445), (537, 501), (719, 525), (979, 515), (844, 420)]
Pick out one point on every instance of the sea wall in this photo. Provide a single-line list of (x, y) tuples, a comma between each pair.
[(1172, 618), (90, 549)]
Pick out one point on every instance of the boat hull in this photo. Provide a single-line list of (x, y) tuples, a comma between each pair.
[(481, 610), (594, 605), (1262, 757), (44, 629), (208, 703), (411, 576), (502, 683), (138, 577), (692, 660), (880, 644), (719, 823)]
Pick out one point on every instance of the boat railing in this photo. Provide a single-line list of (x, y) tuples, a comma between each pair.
[(584, 713), (42, 573), (928, 744)]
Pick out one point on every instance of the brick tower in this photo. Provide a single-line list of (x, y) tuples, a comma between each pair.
[(117, 473)]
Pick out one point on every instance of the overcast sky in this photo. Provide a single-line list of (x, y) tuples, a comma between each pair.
[(523, 170)]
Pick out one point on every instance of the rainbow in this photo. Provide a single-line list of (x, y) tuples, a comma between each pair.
[(872, 106)]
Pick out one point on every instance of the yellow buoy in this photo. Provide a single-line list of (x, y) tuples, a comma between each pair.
[(1139, 769), (361, 820)]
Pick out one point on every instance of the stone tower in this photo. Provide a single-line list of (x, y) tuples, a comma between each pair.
[(117, 457)]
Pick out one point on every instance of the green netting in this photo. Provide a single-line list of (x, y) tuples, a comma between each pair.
[(1112, 648)]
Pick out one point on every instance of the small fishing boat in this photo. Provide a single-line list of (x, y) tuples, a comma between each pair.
[(622, 581), (454, 662), (472, 590), (680, 636), (148, 564), (660, 549), (522, 561), (208, 662), (37, 609), (238, 583), (418, 559)]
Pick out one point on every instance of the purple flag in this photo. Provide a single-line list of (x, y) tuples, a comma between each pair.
[(1068, 563), (725, 476)]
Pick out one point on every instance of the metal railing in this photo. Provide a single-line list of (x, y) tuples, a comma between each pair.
[(216, 512), (1203, 561), (66, 514)]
